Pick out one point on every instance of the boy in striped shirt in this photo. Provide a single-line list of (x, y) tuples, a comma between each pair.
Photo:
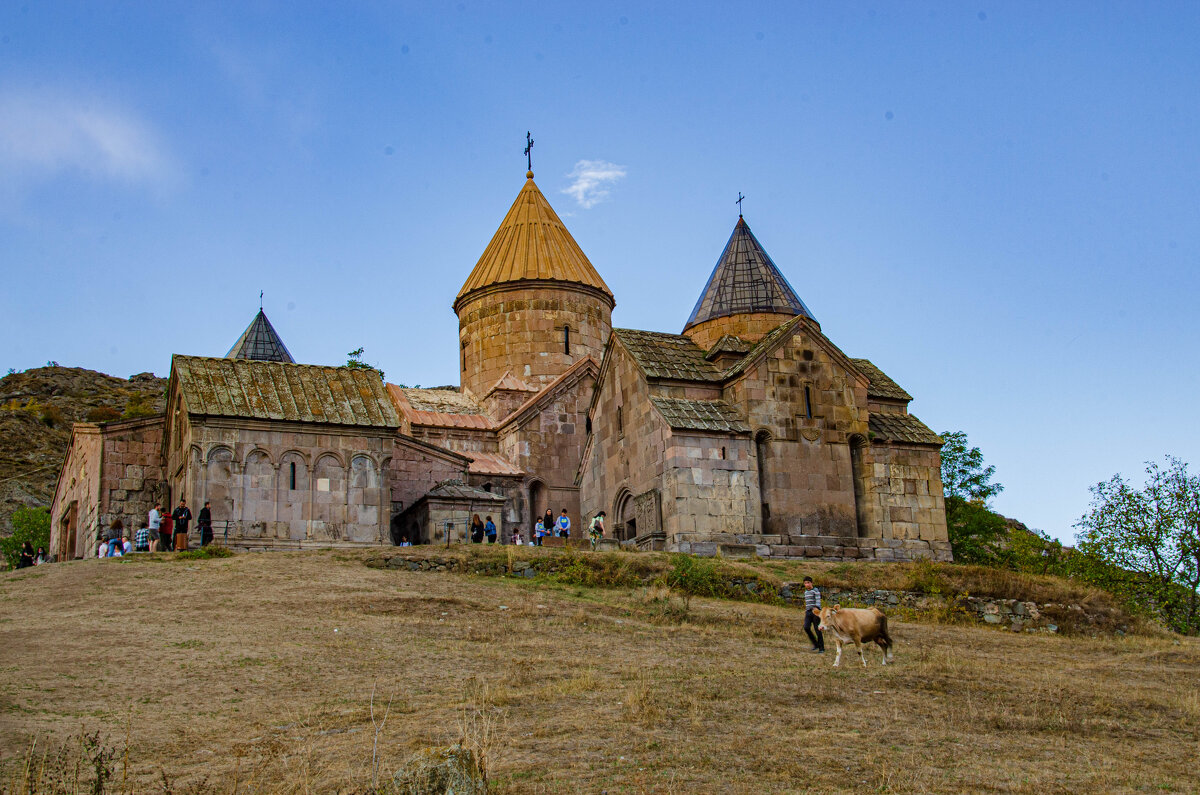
[(812, 620)]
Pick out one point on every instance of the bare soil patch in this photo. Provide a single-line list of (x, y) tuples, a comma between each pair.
[(255, 673)]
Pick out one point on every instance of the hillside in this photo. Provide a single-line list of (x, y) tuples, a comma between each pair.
[(37, 408), (255, 674)]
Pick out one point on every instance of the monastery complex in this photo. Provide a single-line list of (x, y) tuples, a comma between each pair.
[(747, 433)]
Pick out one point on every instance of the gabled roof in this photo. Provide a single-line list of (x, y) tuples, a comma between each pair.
[(700, 415), (901, 428), (510, 383), (671, 356), (280, 391), (880, 385), (729, 343), (745, 280), (532, 243), (440, 408), (456, 489), (492, 464), (260, 342), (573, 375), (772, 337)]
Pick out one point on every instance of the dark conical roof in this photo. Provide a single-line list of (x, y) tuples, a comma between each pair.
[(745, 281), (260, 342)]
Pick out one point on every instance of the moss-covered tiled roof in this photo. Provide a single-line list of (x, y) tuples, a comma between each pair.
[(881, 386), (700, 415), (445, 401), (281, 391), (671, 356), (902, 428), (729, 343)]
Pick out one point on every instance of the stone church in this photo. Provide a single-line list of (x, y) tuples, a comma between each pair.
[(748, 433)]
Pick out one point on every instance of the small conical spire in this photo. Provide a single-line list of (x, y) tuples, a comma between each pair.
[(260, 342), (745, 281)]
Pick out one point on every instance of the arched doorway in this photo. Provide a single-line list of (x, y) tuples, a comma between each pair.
[(625, 528), (539, 501), (762, 441), (858, 473)]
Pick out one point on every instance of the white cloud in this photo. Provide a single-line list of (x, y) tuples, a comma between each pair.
[(46, 134), (592, 181)]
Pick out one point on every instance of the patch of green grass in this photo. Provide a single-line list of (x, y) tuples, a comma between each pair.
[(189, 644), (206, 553)]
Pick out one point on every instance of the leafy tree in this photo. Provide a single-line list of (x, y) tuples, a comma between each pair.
[(29, 524), (963, 472), (1153, 533), (977, 534), (355, 362)]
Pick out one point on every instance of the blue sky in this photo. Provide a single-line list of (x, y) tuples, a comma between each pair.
[(996, 203)]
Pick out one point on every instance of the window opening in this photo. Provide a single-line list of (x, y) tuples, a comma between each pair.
[(292, 471), (463, 357), (808, 402), (722, 453), (620, 422), (567, 340)]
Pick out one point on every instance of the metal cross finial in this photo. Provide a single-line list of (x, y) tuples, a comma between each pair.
[(528, 150), (260, 292), (739, 203)]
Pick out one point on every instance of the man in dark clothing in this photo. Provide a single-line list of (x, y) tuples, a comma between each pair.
[(204, 522), (181, 517), (812, 618)]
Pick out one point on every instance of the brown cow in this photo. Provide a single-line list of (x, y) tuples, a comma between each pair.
[(858, 625)]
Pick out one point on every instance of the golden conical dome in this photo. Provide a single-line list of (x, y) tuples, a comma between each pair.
[(532, 244)]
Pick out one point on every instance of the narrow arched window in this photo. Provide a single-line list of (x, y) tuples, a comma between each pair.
[(808, 402), (463, 357), (292, 475), (620, 422), (567, 340)]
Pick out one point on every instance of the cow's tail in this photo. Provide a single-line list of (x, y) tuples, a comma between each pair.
[(883, 634)]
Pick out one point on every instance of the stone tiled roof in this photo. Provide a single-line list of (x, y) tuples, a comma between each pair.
[(729, 344), (672, 356), (510, 383), (281, 391), (881, 386), (745, 281), (700, 415), (532, 243), (443, 401), (902, 428), (766, 342), (456, 489), (492, 464)]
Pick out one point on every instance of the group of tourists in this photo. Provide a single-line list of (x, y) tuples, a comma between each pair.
[(28, 557), (161, 532)]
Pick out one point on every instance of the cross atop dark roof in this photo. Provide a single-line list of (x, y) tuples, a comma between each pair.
[(746, 281), (260, 343)]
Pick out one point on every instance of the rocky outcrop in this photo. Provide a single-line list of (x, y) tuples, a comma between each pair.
[(37, 409)]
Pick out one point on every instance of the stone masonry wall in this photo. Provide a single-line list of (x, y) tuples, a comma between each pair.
[(75, 513), (750, 327), (132, 472), (906, 490), (520, 330), (808, 482), (710, 488), (629, 444)]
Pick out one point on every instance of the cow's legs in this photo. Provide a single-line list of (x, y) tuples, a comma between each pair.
[(883, 648), (838, 660), (858, 643)]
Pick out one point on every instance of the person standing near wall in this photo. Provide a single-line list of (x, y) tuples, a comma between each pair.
[(489, 529), (154, 523), (181, 516), (812, 619), (204, 522), (596, 531)]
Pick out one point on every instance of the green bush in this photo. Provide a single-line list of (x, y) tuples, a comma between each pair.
[(29, 524), (102, 414)]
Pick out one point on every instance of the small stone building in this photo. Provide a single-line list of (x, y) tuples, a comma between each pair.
[(749, 432)]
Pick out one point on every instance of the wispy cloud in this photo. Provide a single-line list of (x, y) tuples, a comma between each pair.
[(592, 181), (46, 134)]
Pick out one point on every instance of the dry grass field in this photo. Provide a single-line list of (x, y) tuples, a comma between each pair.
[(255, 674)]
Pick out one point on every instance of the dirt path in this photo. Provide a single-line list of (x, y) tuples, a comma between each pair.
[(261, 667)]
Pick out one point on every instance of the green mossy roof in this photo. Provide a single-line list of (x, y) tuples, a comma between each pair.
[(700, 415), (881, 386), (671, 356), (902, 428)]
